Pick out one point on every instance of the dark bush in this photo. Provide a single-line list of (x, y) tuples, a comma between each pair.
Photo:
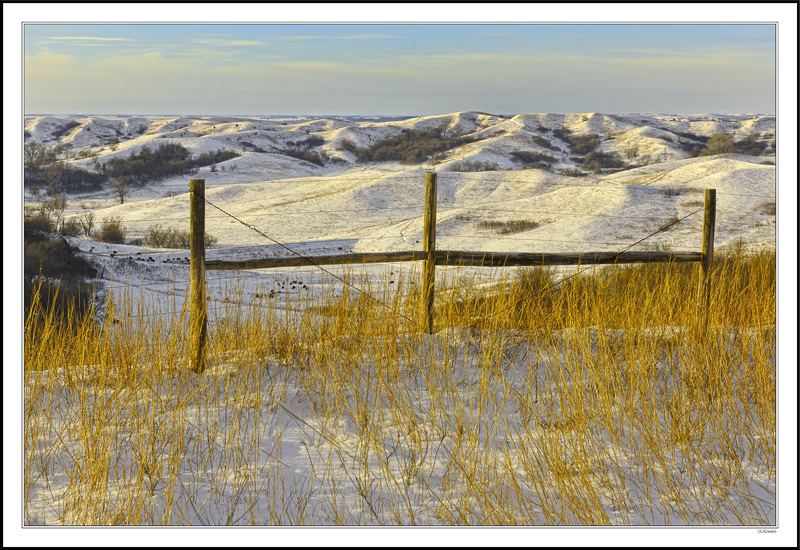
[(308, 143), (61, 177), (692, 137), (574, 172), (252, 147), (722, 142), (411, 146), (529, 157), (70, 228), (111, 231), (53, 270), (348, 145), (694, 150), (473, 166), (597, 161), (544, 142), (308, 156), (750, 146), (206, 159), (66, 298), (719, 143), (169, 159), (64, 129), (53, 257), (582, 145), (563, 134), (38, 221)]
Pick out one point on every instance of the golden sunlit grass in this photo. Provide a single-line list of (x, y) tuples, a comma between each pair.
[(595, 401)]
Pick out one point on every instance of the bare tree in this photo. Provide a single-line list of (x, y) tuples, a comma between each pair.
[(87, 223), (34, 152), (121, 187), (53, 209)]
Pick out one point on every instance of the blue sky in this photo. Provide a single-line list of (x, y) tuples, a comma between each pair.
[(398, 69)]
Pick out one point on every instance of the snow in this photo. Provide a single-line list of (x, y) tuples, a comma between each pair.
[(349, 207), (339, 209)]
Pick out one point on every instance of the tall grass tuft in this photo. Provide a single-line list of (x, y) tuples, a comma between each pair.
[(543, 399)]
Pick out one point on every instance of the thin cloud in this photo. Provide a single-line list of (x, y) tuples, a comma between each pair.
[(323, 37), (99, 38), (316, 66), (234, 43), (443, 59), (502, 33), (363, 37), (642, 51)]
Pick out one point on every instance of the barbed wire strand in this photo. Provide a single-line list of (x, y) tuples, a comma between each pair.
[(220, 302), (306, 258), (553, 285)]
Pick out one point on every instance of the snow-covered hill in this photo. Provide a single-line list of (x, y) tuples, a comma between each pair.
[(642, 139), (345, 204)]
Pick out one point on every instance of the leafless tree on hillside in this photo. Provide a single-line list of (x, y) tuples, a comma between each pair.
[(120, 185)]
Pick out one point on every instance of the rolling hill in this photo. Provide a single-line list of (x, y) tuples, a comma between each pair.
[(329, 185)]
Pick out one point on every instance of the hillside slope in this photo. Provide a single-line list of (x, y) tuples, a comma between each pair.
[(301, 183)]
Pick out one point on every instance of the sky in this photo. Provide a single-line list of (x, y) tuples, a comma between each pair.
[(398, 69)]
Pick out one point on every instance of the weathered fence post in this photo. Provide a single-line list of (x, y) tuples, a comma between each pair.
[(429, 246), (706, 263), (199, 316)]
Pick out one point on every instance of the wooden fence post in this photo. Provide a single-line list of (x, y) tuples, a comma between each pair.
[(429, 246), (199, 315), (706, 263)]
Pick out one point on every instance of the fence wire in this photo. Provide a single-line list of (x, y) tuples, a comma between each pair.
[(404, 176), (553, 285), (308, 259)]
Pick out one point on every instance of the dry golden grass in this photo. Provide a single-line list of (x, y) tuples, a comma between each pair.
[(595, 401)]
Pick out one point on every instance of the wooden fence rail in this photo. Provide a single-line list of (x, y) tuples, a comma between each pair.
[(460, 258), (432, 257)]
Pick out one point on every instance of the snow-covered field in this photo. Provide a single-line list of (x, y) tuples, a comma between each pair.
[(381, 209), (262, 447)]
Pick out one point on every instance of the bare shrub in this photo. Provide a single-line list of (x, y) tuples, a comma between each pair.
[(38, 220), (111, 231), (473, 166), (86, 222), (544, 142), (529, 157), (70, 228), (158, 237), (506, 227)]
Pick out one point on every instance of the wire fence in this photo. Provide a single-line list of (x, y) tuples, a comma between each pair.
[(253, 220)]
